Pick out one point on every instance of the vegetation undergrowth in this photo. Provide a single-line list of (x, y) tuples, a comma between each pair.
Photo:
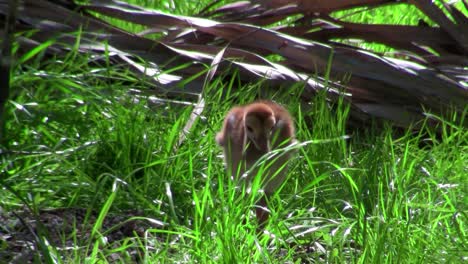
[(373, 197)]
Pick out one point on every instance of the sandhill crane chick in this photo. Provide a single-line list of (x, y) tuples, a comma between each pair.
[(251, 131)]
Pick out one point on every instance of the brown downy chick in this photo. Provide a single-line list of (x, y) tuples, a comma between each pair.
[(251, 131)]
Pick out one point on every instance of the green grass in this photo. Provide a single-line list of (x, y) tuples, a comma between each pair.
[(78, 140), (391, 14), (374, 198)]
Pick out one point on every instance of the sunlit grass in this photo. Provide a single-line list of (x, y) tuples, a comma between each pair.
[(375, 197)]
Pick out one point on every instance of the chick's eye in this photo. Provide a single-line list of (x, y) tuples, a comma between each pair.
[(249, 129)]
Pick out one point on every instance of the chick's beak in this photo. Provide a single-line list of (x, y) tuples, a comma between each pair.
[(262, 144)]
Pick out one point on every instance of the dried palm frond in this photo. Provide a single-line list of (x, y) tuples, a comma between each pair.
[(428, 71)]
